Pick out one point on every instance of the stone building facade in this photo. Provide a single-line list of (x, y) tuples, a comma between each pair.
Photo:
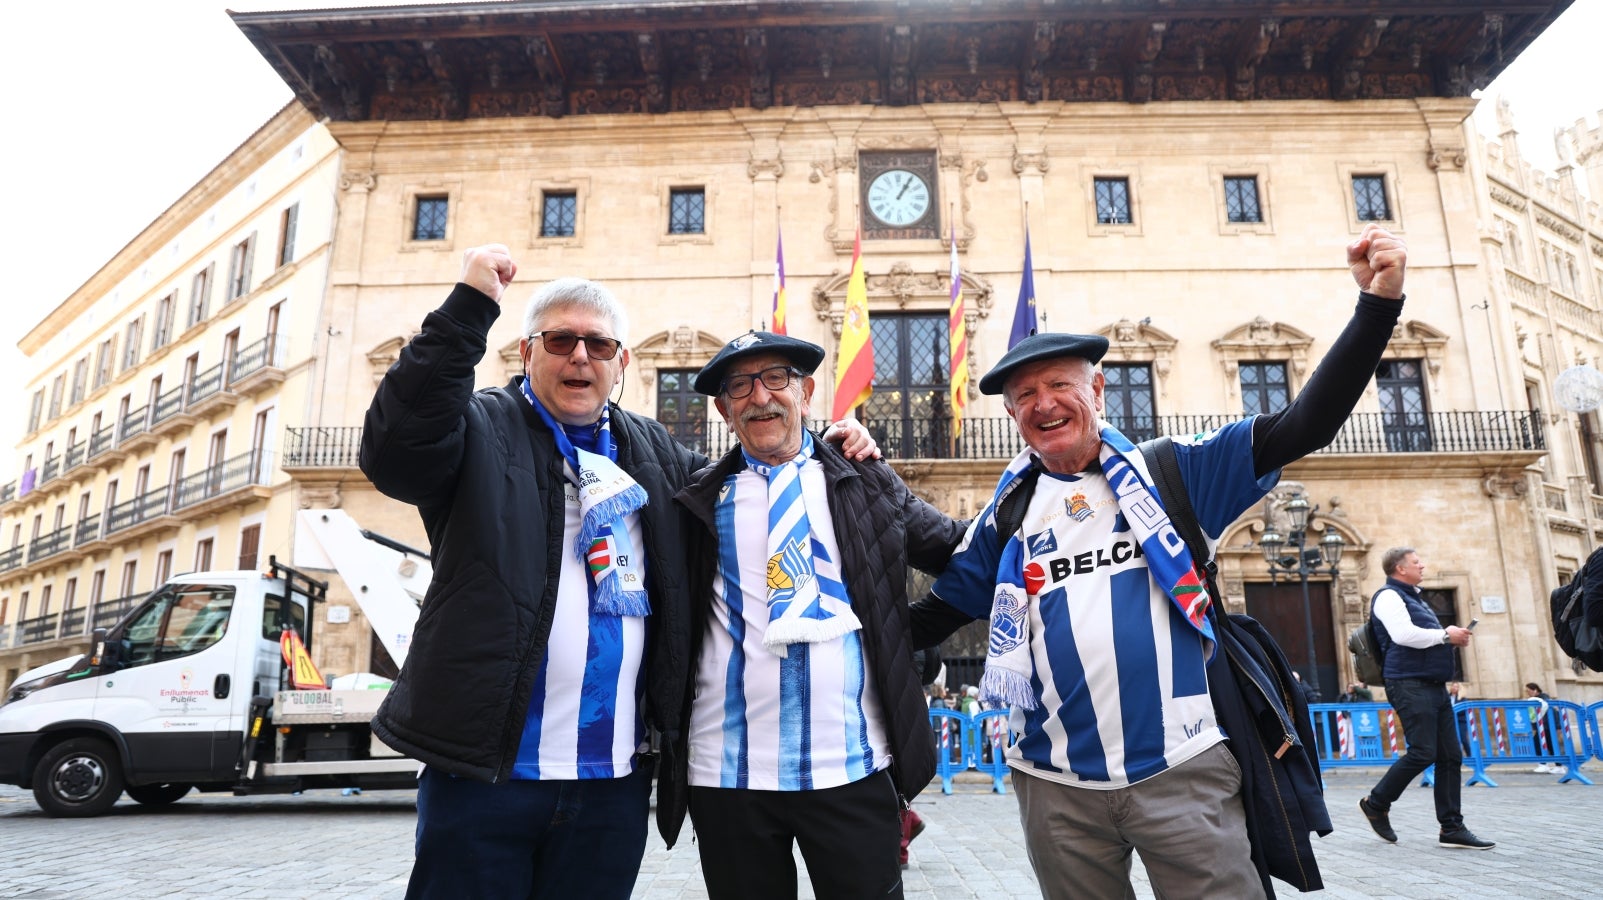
[(1188, 186)]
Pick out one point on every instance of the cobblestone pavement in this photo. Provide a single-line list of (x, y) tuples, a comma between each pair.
[(325, 845)]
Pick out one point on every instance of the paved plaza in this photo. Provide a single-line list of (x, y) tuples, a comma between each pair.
[(325, 845)]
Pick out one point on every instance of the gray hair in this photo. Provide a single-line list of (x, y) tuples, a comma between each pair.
[(579, 293), (1394, 558)]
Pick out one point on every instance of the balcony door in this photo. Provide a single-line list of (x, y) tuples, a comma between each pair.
[(680, 409), (1130, 405), (1403, 415), (908, 411)]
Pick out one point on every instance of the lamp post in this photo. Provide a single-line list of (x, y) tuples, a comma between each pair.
[(1290, 552)]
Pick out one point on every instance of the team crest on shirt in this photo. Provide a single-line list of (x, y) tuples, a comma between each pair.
[(1079, 510), (1007, 622)]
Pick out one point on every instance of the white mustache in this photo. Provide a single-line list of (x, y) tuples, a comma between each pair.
[(771, 408)]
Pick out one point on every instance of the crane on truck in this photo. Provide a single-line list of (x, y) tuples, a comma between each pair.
[(192, 691)]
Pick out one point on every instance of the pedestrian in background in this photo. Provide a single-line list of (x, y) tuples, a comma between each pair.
[(1544, 734)]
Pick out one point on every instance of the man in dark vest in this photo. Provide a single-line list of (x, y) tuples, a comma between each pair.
[(1417, 657)]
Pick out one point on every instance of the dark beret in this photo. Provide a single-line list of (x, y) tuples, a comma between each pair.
[(805, 355), (1037, 347)]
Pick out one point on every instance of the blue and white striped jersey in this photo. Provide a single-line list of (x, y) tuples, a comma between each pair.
[(810, 720), (1118, 670), (584, 716)]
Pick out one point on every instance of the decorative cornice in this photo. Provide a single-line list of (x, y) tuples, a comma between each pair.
[(1507, 198)]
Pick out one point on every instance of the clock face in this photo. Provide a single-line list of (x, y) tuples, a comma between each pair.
[(898, 197)]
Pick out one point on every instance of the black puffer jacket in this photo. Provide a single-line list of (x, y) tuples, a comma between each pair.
[(485, 474), (882, 527)]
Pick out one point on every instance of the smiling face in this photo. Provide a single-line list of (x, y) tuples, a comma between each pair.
[(1055, 404), (572, 388), (767, 422)]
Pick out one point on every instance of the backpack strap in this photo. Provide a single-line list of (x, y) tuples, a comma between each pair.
[(1164, 469), (1010, 512)]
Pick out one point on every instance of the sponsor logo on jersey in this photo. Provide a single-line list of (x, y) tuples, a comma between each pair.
[(1043, 543)]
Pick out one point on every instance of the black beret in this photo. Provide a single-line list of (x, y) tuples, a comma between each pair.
[(805, 355), (1037, 347)]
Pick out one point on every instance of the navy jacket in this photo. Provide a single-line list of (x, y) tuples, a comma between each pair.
[(1430, 663)]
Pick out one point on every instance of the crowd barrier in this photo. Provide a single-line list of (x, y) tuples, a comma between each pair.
[(1490, 732)]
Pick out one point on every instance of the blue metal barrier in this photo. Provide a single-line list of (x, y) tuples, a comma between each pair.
[(1490, 732), (989, 737), (951, 739), (1594, 727)]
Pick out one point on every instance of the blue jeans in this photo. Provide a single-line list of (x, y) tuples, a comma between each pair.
[(530, 839), (1431, 731)]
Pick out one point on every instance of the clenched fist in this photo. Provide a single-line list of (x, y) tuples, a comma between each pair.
[(488, 269), (1377, 260)]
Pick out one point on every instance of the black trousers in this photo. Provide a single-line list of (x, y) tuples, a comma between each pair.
[(849, 837), (1431, 731)]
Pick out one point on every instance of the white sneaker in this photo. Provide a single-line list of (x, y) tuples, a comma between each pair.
[(1543, 769)]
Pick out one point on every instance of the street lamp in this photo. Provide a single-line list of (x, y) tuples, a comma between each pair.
[(1290, 552)]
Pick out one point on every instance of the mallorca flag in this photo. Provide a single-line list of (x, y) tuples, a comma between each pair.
[(854, 363), (779, 287), (303, 675), (957, 330), (1024, 313)]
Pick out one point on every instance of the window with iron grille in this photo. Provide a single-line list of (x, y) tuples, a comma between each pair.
[(1112, 201), (431, 218), (680, 409), (1263, 387), (1403, 415), (1241, 198), (908, 411), (559, 214), (1128, 399), (687, 211), (1369, 198)]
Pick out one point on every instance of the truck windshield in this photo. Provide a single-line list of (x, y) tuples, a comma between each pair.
[(178, 621)]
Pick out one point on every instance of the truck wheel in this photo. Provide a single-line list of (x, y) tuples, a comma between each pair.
[(157, 794), (77, 778)]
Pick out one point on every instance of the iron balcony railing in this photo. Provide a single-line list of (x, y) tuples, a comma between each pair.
[(229, 475), (313, 448), (72, 621), (167, 404), (51, 469), (8, 492), (12, 558), (131, 512), (88, 529), (109, 612), (75, 454), (102, 440), (49, 544), (37, 629), (256, 356), (134, 423), (205, 384)]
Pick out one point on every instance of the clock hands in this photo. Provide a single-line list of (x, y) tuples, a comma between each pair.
[(906, 183)]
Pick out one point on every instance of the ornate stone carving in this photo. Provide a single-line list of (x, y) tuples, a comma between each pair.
[(358, 181), (1504, 486), (1452, 157), (1030, 163), (319, 494), (1141, 342), (1507, 198), (774, 168)]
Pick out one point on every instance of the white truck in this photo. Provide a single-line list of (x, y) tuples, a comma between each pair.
[(190, 690)]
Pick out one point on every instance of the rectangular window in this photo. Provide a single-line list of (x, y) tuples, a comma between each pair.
[(97, 588), (80, 380), (58, 387), (559, 214), (687, 211), (680, 409), (286, 233), (200, 297), (250, 540), (105, 358), (164, 567), (431, 218), (1369, 198), (36, 410), (908, 408), (22, 606), (1241, 198), (162, 334), (1129, 400), (1263, 387), (130, 570), (1404, 418), (203, 555), (1113, 201), (69, 594), (130, 344), (44, 599), (239, 266)]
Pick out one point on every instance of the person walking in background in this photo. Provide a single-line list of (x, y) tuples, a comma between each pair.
[(1417, 659), (1543, 729), (1357, 692)]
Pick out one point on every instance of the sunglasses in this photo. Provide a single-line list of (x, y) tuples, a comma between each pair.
[(561, 343)]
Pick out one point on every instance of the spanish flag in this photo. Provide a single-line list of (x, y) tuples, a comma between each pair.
[(854, 363), (957, 330), (779, 287), (303, 675)]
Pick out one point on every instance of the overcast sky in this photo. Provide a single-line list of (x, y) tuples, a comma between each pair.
[(119, 106)]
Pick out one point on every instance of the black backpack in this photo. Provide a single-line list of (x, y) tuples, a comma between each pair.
[(1366, 654), (1576, 637)]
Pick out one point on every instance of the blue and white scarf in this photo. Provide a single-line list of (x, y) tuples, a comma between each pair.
[(807, 602), (607, 495), (1008, 665)]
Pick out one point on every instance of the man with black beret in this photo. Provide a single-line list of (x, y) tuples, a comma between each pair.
[(1099, 634), (807, 724)]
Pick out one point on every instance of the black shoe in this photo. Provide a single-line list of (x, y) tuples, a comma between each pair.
[(1380, 821), (1463, 839)]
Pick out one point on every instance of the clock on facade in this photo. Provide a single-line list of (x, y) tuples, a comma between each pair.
[(898, 197)]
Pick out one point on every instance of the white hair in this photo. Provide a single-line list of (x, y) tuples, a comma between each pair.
[(580, 293)]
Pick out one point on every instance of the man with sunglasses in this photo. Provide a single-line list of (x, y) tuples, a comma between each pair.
[(533, 673), (807, 720)]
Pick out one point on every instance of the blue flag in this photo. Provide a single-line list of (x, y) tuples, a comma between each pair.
[(1024, 313)]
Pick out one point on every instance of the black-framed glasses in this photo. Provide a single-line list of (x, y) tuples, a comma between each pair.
[(775, 379), (561, 343)]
